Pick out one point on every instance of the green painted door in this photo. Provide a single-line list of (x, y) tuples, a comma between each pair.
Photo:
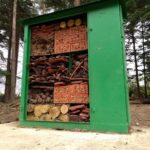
[(108, 90)]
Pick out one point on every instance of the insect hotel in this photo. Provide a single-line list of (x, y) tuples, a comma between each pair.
[(74, 74)]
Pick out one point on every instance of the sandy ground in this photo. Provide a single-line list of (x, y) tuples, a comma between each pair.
[(15, 138)]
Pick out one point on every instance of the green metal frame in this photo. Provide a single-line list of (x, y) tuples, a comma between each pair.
[(109, 105)]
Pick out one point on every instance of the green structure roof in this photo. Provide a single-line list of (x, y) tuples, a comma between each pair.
[(74, 10)]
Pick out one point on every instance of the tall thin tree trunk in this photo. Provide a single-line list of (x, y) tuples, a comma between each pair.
[(77, 2), (144, 64), (8, 77), (17, 50), (43, 6), (13, 56), (136, 66)]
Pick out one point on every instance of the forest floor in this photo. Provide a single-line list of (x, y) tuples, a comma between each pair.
[(9, 112), (15, 137), (140, 114)]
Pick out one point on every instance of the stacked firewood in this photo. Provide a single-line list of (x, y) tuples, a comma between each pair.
[(49, 70), (56, 69), (62, 112), (38, 97), (80, 67), (79, 112), (48, 112)]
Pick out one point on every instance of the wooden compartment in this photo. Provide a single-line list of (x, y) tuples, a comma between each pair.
[(42, 40), (75, 93), (71, 39)]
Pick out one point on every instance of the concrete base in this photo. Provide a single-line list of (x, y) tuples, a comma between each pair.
[(15, 137)]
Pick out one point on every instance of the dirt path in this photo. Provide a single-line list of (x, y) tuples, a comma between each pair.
[(16, 138), (9, 111), (140, 114)]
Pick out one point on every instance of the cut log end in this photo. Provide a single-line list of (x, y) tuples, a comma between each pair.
[(64, 118), (30, 108), (54, 112), (64, 109)]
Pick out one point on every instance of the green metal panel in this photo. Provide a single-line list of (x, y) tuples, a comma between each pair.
[(108, 93), (108, 89), (25, 74)]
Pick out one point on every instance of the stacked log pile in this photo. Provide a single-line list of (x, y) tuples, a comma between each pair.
[(79, 112), (48, 112), (49, 69), (56, 69), (54, 86), (37, 96), (80, 67), (57, 112)]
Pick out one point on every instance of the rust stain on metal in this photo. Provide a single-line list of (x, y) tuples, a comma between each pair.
[(75, 93)]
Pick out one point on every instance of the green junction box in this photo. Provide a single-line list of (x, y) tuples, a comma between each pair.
[(108, 90)]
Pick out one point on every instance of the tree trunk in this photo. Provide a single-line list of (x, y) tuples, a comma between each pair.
[(17, 49), (77, 2), (43, 7), (144, 64), (13, 56), (8, 77), (136, 66)]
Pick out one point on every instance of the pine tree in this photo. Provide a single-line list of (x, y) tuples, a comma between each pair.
[(137, 29), (24, 9)]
